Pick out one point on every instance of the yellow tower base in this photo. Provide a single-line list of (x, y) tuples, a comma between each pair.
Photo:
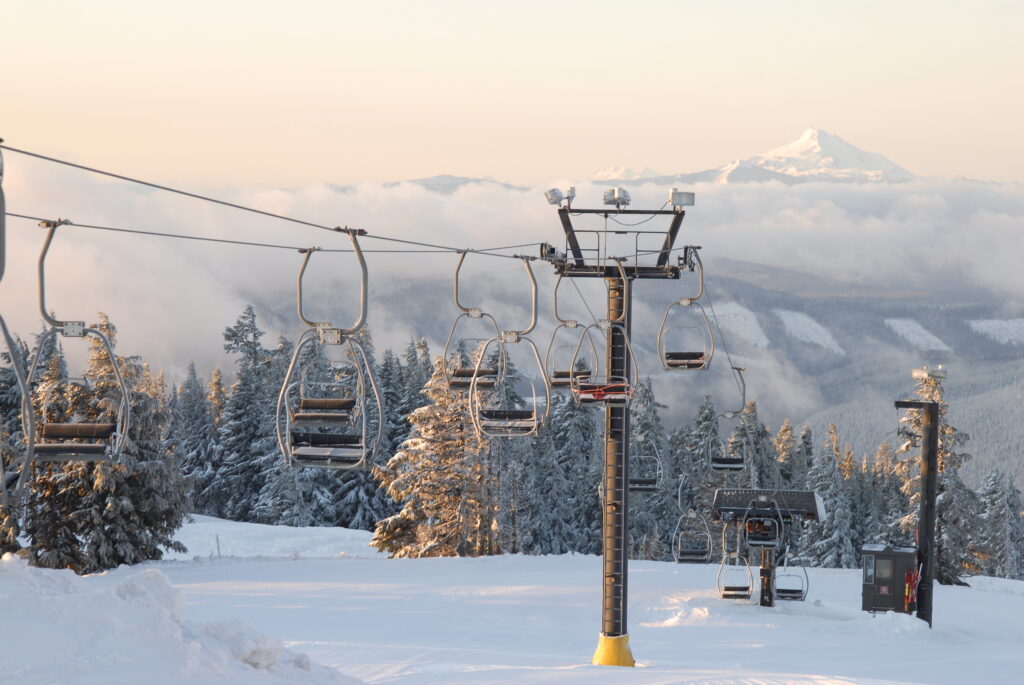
[(613, 651)]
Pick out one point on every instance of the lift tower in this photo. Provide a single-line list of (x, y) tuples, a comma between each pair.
[(587, 256)]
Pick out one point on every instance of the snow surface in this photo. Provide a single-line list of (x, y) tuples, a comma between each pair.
[(736, 319), (802, 327), (508, 619), (1005, 331), (917, 335)]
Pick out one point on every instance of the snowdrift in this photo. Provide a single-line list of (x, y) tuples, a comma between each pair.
[(59, 628)]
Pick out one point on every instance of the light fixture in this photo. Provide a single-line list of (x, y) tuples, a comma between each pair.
[(554, 196), (926, 373), (616, 196), (679, 198)]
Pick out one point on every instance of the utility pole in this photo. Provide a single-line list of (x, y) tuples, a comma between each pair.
[(929, 493), (577, 262)]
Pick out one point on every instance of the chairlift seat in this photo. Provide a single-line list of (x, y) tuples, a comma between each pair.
[(603, 392), (643, 484), (328, 457), (321, 417), (693, 556), (71, 451), (327, 403), (325, 439), (95, 431), (727, 463), (507, 414), (737, 591), (472, 371), (563, 379), (686, 360), (791, 594), (462, 379)]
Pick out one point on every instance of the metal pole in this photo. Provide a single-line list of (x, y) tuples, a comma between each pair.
[(767, 577), (613, 644), (926, 523)]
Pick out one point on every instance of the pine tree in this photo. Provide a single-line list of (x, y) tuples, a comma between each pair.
[(1000, 553), (245, 426), (648, 455), (434, 477), (753, 442), (827, 543), (574, 435), (217, 396), (191, 433)]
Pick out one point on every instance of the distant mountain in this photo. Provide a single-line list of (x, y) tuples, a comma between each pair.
[(622, 173), (446, 184), (815, 156)]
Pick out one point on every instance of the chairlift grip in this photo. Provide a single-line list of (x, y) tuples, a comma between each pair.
[(364, 279)]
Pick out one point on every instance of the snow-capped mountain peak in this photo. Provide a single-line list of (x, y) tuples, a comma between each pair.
[(822, 155)]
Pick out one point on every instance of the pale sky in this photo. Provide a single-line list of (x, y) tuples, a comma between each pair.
[(293, 93)]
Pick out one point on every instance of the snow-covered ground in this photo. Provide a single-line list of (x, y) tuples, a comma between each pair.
[(737, 319), (320, 607), (802, 327), (917, 335), (1005, 331)]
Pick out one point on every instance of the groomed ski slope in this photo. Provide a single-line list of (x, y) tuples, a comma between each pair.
[(320, 607)]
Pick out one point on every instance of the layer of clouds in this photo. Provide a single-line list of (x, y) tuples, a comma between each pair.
[(172, 299)]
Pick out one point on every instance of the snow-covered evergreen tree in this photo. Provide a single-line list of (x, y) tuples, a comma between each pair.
[(1002, 528), (434, 477), (191, 435), (574, 433), (828, 543)]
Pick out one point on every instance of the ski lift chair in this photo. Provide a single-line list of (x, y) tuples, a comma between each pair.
[(462, 378), (691, 540), (763, 525), (693, 346), (789, 585), (504, 422), (80, 439), (652, 474), (559, 367), (607, 388), (323, 430), (735, 580)]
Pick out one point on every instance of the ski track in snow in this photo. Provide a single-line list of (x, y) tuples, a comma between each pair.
[(1005, 331), (485, 621), (738, 320), (917, 335), (802, 327)]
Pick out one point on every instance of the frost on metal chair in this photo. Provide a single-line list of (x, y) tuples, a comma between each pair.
[(498, 422), (689, 344), (322, 423), (99, 437), (604, 387), (467, 374)]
